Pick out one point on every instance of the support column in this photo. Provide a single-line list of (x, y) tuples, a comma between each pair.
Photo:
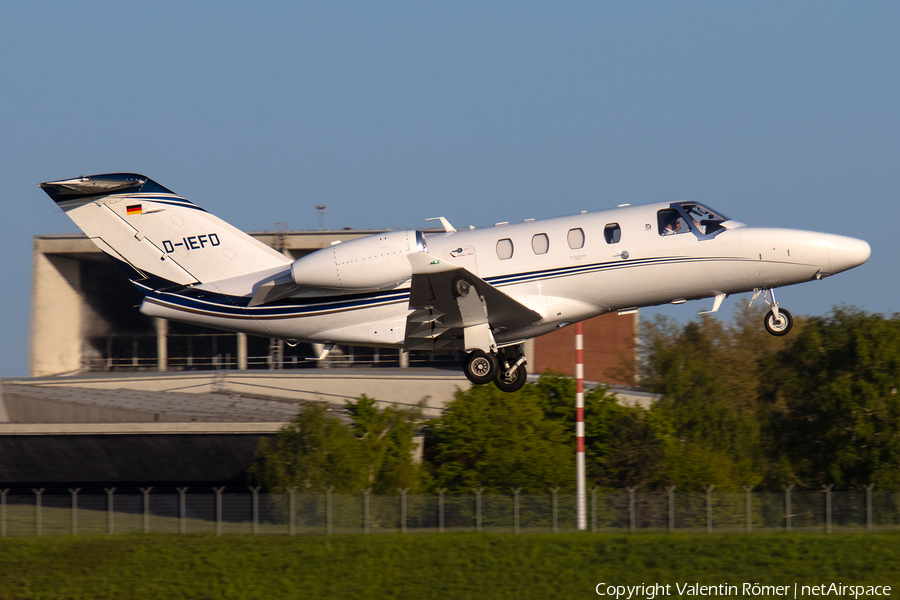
[(182, 509), (515, 492), (242, 351), (366, 519), (632, 522), (787, 506), (748, 489), (4, 414), (162, 344), (218, 491), (402, 508), (528, 350), (146, 493), (671, 490), (38, 520), (478, 507), (869, 507), (55, 340), (709, 521), (255, 492), (404, 359), (3, 512), (110, 511), (580, 484), (74, 492)]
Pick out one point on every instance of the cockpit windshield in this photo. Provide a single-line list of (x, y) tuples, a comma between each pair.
[(704, 220)]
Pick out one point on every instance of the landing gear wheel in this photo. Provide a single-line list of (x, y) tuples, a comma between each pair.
[(512, 382), (480, 367), (780, 326)]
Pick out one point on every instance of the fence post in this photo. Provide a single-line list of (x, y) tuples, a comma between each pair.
[(671, 490), (3, 512), (255, 492), (402, 509), (366, 521), (515, 492), (74, 509), (478, 507), (218, 491), (787, 506), (146, 493), (182, 509), (110, 524), (709, 490), (593, 510), (631, 520), (869, 507), (553, 492), (747, 490), (38, 522), (441, 510), (328, 491), (293, 509), (827, 490)]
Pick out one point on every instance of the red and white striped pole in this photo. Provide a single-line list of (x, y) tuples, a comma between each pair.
[(580, 499)]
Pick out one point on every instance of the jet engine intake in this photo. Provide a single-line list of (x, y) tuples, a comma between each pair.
[(373, 262)]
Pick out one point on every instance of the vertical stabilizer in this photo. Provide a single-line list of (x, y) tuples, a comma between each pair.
[(157, 237)]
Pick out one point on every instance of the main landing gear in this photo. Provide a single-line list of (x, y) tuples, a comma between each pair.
[(778, 321), (506, 368)]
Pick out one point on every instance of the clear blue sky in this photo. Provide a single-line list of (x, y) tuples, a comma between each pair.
[(775, 113)]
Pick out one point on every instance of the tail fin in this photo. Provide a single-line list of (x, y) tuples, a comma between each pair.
[(158, 238)]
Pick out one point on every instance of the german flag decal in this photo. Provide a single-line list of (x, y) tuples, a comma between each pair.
[(134, 209)]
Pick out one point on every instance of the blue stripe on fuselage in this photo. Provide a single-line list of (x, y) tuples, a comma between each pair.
[(235, 307)]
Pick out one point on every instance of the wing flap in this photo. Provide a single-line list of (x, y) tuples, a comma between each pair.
[(451, 303)]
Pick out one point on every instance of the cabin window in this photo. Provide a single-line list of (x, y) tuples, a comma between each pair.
[(540, 243), (504, 249), (576, 238), (612, 233), (671, 223)]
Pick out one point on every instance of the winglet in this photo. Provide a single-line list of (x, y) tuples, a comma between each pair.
[(445, 223)]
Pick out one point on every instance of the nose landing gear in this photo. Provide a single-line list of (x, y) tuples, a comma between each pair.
[(506, 368), (778, 321)]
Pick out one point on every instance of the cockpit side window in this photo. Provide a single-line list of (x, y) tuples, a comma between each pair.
[(704, 220), (670, 222)]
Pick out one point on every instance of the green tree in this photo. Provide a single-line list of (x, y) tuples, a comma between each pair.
[(833, 392), (708, 374), (497, 440), (315, 449), (387, 442)]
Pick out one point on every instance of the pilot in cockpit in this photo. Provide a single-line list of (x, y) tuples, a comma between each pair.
[(673, 224)]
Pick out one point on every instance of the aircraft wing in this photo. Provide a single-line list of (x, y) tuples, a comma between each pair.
[(446, 299)]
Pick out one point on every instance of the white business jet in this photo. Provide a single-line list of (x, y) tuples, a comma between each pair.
[(482, 291)]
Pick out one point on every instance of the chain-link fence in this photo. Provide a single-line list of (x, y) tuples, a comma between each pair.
[(26, 512)]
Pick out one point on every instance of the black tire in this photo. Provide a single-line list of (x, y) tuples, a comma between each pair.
[(480, 367), (780, 326), (514, 382)]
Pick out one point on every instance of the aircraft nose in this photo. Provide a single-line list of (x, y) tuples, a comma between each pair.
[(846, 252)]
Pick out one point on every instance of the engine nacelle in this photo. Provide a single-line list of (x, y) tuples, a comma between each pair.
[(373, 262)]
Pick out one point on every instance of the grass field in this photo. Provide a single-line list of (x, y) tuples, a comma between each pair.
[(430, 565)]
